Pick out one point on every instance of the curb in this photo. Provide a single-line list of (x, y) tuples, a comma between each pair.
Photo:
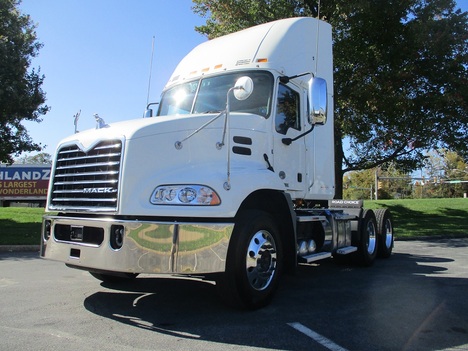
[(432, 238), (19, 248)]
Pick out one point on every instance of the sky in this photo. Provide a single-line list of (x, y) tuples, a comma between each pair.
[(97, 57)]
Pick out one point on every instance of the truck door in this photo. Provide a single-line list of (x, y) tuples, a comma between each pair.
[(289, 160)]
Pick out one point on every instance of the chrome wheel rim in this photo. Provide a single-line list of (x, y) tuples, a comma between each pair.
[(388, 232), (372, 240), (261, 260)]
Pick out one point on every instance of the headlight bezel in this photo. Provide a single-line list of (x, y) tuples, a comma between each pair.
[(185, 195)]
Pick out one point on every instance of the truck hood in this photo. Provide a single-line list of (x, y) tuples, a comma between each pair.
[(186, 150), (182, 125), (127, 129)]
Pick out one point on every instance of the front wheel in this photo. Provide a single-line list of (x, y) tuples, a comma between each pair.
[(254, 261)]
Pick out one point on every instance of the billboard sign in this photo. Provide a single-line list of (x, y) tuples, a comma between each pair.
[(24, 182)]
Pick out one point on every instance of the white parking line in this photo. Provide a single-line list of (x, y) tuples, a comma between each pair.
[(317, 337)]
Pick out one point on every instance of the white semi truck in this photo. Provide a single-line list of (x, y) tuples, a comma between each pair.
[(231, 180)]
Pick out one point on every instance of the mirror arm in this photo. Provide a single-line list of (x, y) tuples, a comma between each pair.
[(286, 79), (151, 103), (288, 141), (149, 111)]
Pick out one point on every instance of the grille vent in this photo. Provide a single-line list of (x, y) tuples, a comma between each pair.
[(87, 180)]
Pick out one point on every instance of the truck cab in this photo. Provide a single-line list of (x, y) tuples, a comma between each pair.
[(231, 177)]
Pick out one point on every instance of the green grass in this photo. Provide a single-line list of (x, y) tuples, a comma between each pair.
[(426, 217), (412, 219), (20, 225)]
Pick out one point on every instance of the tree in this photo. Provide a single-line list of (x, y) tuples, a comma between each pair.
[(359, 184), (392, 183), (42, 158), (21, 96), (401, 73), (446, 173)]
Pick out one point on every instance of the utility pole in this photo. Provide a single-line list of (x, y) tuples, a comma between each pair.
[(376, 183)]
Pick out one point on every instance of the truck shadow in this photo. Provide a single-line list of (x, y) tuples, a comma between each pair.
[(393, 305)]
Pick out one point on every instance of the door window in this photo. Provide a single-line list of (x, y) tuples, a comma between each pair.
[(287, 110)]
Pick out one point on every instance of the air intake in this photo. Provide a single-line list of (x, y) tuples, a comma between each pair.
[(89, 180)]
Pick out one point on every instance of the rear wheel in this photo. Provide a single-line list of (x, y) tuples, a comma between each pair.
[(385, 232), (254, 261), (368, 239)]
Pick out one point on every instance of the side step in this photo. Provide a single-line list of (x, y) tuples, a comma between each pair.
[(322, 255), (346, 250), (314, 257)]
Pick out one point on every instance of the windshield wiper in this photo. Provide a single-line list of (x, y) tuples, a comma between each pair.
[(212, 111)]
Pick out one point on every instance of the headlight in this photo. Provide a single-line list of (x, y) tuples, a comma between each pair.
[(198, 195)]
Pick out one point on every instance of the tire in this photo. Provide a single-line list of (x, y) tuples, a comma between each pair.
[(114, 278), (385, 232), (254, 262), (368, 239)]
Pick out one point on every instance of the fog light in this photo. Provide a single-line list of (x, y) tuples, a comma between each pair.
[(117, 236), (46, 230)]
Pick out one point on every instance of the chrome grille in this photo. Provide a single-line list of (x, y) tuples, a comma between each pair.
[(87, 180)]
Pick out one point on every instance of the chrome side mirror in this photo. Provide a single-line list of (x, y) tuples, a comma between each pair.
[(243, 88), (318, 101)]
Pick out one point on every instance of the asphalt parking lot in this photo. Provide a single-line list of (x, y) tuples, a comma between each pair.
[(416, 300)]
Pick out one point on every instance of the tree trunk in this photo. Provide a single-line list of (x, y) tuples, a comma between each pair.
[(338, 163)]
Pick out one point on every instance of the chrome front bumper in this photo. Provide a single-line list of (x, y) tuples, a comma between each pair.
[(136, 246)]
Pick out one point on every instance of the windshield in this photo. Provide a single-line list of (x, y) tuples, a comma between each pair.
[(208, 95)]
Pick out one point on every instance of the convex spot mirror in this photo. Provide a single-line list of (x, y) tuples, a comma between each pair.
[(318, 101), (243, 88)]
